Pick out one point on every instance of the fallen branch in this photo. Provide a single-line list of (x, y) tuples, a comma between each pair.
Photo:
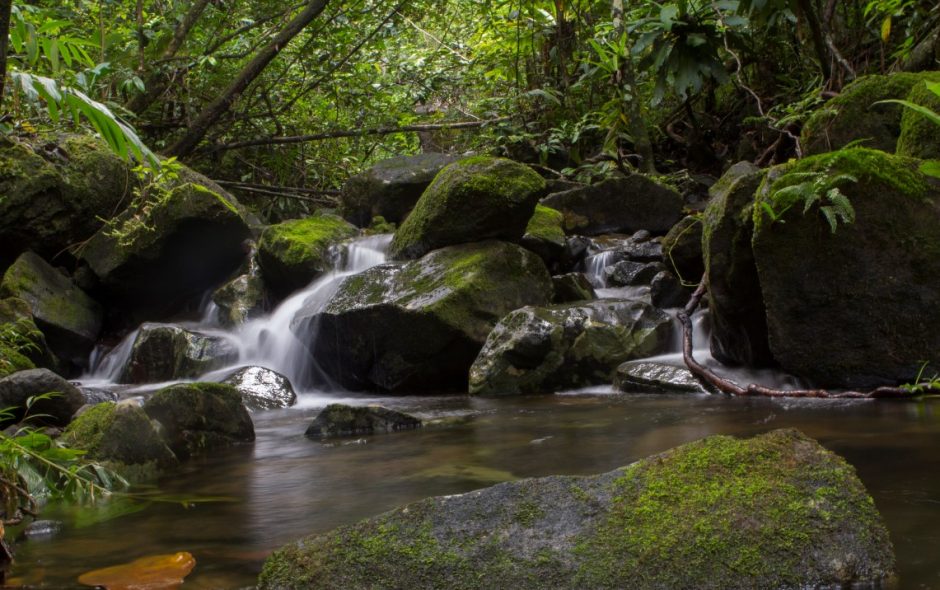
[(328, 196), (712, 380)]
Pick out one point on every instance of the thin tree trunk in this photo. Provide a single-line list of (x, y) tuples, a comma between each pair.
[(819, 42), (627, 77), (214, 111), (6, 7)]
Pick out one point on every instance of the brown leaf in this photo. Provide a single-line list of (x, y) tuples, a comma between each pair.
[(157, 572)]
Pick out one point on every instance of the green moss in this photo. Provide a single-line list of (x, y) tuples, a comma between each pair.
[(546, 224), (920, 137), (88, 429), (297, 240)]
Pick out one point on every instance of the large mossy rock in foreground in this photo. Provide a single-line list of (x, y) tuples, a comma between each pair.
[(165, 352), (474, 199), (418, 326), (859, 307), (549, 349), (623, 205), (739, 325), (293, 253), (390, 188), (773, 511)]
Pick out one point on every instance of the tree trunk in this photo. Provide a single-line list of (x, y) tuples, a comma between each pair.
[(819, 42), (6, 7), (626, 77), (214, 111)]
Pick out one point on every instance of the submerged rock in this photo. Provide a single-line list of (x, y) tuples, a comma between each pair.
[(647, 377), (197, 417), (262, 389), (163, 352), (342, 420), (474, 199), (418, 326), (390, 188), (56, 410), (548, 349), (774, 511)]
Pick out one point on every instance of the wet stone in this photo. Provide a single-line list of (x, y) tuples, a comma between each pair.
[(338, 420), (262, 389)]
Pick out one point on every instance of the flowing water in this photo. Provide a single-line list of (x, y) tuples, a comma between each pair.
[(285, 486)]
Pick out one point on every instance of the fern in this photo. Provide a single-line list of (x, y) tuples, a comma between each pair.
[(817, 188)]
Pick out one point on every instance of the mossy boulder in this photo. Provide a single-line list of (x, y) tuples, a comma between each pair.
[(69, 319), (682, 249), (417, 326), (156, 260), (165, 352), (123, 437), (853, 116), (54, 192), (549, 349), (774, 511), (17, 388), (22, 344), (243, 297), (643, 376), (198, 417), (262, 389), (858, 307), (545, 235), (623, 205), (571, 287), (738, 318), (338, 420), (474, 199), (390, 188), (920, 137), (293, 253)]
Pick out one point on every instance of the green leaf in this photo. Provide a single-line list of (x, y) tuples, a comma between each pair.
[(926, 112), (930, 168)]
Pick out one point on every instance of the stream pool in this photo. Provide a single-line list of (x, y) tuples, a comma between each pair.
[(285, 486)]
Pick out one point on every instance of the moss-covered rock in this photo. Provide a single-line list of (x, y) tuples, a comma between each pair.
[(123, 437), (337, 420), (853, 116), (549, 349), (165, 352), (17, 388), (682, 249), (474, 199), (622, 205), (545, 235), (243, 297), (773, 511), (197, 417), (69, 319), (418, 326), (738, 319), (858, 307), (920, 137), (293, 253), (390, 188)]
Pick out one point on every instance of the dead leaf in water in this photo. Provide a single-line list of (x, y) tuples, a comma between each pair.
[(157, 572)]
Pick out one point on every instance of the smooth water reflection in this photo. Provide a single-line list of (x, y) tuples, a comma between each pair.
[(285, 486)]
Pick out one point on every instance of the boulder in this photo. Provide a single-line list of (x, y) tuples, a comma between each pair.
[(22, 345), (738, 318), (157, 260), (920, 137), (96, 395), (853, 116), (164, 352), (417, 326), (545, 235), (69, 319), (390, 188), (295, 252), (549, 349), (123, 437), (56, 190), (573, 286), (627, 273), (341, 420), (242, 298), (774, 511), (262, 389), (857, 307), (474, 199), (682, 249), (618, 205), (197, 417), (666, 291), (652, 377), (57, 410)]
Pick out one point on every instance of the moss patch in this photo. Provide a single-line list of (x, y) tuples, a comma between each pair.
[(920, 137)]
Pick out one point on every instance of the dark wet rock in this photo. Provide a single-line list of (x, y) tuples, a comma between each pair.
[(859, 307), (545, 236), (643, 249), (618, 205), (262, 389), (739, 320), (42, 529), (57, 410), (474, 199), (417, 326), (390, 188), (573, 286), (163, 352), (338, 420), (652, 377), (548, 349), (666, 291), (197, 417), (96, 395), (243, 297), (22, 345), (682, 249), (293, 253), (627, 273), (576, 250), (69, 319), (780, 512)]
